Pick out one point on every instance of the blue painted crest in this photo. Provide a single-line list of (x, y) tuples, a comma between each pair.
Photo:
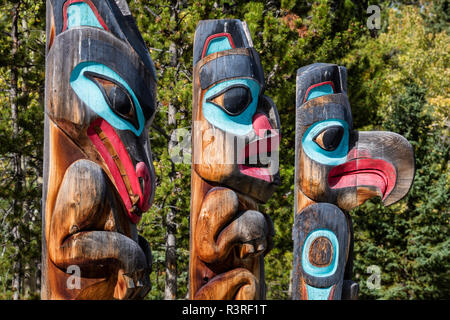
[(81, 14), (319, 91), (218, 44)]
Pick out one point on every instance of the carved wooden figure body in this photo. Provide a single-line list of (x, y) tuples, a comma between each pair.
[(99, 177), (234, 125), (337, 169)]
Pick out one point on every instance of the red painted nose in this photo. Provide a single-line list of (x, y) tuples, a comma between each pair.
[(261, 124), (143, 172)]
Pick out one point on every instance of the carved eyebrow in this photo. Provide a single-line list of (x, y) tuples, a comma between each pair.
[(231, 66)]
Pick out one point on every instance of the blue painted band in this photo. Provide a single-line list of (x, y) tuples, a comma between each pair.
[(92, 96), (318, 293), (240, 124), (313, 270), (316, 153)]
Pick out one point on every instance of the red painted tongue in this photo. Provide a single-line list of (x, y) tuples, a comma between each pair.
[(255, 172), (366, 178), (364, 172)]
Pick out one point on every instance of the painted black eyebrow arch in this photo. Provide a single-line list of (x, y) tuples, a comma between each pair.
[(231, 66)]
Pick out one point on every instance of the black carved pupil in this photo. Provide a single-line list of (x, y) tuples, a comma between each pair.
[(119, 100), (235, 100), (332, 137)]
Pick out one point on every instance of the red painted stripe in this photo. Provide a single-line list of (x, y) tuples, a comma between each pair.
[(91, 5), (120, 185), (304, 291), (330, 296), (217, 35), (318, 85), (128, 165)]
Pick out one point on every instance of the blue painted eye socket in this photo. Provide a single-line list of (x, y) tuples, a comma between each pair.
[(320, 271), (108, 95), (327, 142), (231, 105), (81, 14)]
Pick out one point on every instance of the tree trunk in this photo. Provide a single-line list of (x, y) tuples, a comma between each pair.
[(17, 157), (170, 291)]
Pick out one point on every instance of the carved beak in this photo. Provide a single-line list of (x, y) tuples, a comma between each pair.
[(383, 161)]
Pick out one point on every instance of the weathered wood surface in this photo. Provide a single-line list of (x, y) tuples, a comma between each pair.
[(99, 179), (336, 168), (228, 235)]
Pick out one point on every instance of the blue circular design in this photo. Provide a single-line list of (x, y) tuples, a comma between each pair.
[(320, 271)]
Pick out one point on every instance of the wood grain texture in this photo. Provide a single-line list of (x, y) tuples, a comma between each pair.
[(87, 227), (339, 167), (228, 235)]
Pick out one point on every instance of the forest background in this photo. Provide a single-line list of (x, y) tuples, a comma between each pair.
[(398, 80)]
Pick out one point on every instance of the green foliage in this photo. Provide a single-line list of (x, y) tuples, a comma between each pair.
[(21, 149), (398, 81)]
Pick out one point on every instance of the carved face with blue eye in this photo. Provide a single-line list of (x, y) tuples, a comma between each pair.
[(231, 105), (108, 95), (327, 142)]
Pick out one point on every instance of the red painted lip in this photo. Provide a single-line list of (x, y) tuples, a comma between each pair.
[(261, 146), (100, 131), (364, 172)]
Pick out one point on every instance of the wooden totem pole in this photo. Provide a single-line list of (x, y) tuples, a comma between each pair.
[(235, 165), (337, 169), (100, 100)]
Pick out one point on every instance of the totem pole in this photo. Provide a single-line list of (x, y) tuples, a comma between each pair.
[(99, 177), (235, 165), (336, 169)]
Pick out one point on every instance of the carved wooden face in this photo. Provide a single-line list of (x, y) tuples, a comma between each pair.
[(336, 164), (236, 127), (103, 96)]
